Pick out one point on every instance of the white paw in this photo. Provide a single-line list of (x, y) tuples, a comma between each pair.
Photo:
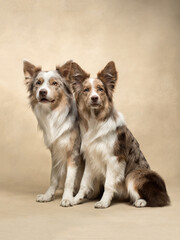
[(44, 198), (140, 203), (66, 202), (101, 204), (77, 200)]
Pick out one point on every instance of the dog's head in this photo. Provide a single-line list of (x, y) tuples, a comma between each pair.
[(94, 93), (47, 87)]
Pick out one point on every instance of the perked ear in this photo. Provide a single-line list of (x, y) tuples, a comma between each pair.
[(65, 70), (29, 72), (77, 76), (109, 75)]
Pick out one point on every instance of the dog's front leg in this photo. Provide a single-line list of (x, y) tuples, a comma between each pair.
[(67, 199), (86, 185), (114, 175), (54, 182)]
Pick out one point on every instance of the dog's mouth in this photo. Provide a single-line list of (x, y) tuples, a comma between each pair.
[(45, 100), (95, 105)]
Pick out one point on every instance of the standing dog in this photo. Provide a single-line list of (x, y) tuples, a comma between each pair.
[(113, 157), (55, 109)]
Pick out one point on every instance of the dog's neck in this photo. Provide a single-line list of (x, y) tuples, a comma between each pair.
[(98, 116), (54, 123), (91, 123), (93, 129)]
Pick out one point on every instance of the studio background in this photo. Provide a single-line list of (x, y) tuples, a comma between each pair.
[(143, 39)]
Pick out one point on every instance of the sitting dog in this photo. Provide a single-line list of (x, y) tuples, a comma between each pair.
[(54, 107), (113, 156)]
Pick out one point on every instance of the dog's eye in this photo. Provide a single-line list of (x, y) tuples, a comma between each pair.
[(100, 89), (38, 82), (86, 90), (55, 83)]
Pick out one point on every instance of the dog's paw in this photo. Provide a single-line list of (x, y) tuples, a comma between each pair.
[(66, 203), (101, 204), (140, 203), (77, 200), (44, 198)]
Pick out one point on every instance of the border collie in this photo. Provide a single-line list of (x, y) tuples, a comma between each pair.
[(54, 107), (113, 156)]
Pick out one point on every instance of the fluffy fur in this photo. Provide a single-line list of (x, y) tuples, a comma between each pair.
[(113, 156), (54, 107)]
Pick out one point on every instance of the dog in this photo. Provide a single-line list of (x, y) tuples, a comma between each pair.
[(112, 154), (53, 104)]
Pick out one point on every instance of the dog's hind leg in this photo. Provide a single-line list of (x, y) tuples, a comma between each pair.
[(134, 195)]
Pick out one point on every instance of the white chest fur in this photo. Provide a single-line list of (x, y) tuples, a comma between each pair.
[(54, 124), (98, 142)]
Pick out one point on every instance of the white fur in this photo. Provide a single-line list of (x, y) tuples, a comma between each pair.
[(140, 203), (53, 123), (99, 129), (93, 92), (67, 199), (134, 195), (132, 192), (101, 164)]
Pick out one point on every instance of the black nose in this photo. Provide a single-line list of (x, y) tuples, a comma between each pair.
[(94, 99), (43, 92)]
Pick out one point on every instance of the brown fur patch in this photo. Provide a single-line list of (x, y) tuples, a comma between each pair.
[(109, 77), (120, 145), (30, 71), (61, 101), (74, 146), (77, 76), (65, 70), (126, 145)]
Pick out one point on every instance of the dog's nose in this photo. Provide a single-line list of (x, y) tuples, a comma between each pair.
[(43, 92), (94, 98)]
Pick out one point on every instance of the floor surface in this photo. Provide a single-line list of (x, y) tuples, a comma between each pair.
[(23, 218)]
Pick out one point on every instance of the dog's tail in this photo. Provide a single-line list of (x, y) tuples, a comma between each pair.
[(154, 190), (150, 187)]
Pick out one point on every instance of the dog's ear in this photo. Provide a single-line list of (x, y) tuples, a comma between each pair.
[(65, 70), (109, 76), (29, 72), (77, 76)]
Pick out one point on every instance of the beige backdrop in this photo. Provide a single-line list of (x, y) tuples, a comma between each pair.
[(141, 36)]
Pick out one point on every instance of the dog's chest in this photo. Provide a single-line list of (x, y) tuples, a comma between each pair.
[(98, 150), (53, 125)]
